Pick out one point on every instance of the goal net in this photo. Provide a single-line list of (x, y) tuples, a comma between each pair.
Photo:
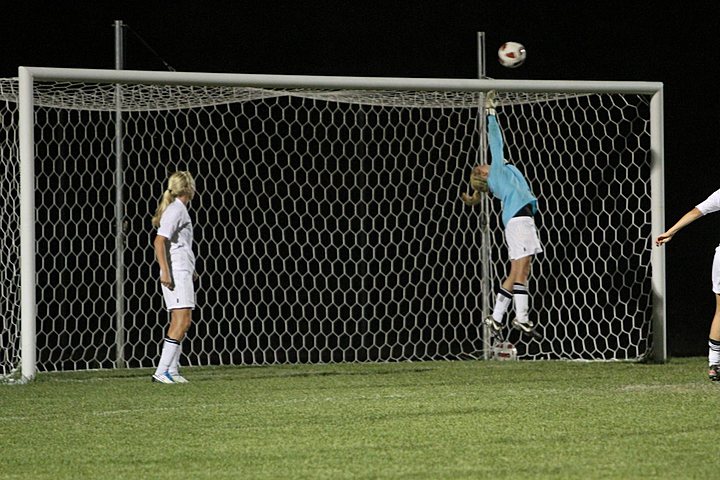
[(328, 224)]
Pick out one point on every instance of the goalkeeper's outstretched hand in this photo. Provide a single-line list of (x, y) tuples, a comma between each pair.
[(471, 200), (478, 181)]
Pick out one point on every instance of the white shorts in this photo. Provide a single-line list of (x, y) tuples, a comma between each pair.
[(183, 295), (522, 238), (716, 272)]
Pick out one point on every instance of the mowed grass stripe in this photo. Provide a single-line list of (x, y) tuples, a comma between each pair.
[(471, 419)]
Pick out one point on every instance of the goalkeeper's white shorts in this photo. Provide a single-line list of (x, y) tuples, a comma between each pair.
[(183, 294), (522, 238), (716, 272)]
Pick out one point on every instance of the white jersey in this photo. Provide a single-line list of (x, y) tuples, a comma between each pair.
[(710, 204), (176, 226)]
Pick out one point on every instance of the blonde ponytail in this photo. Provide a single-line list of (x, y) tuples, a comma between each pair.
[(166, 200), (179, 183)]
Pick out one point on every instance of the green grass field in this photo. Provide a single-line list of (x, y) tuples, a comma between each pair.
[(472, 419)]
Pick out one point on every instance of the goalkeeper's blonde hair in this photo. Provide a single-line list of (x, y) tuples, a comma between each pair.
[(478, 182), (179, 184)]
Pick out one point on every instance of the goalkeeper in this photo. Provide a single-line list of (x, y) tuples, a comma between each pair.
[(505, 182)]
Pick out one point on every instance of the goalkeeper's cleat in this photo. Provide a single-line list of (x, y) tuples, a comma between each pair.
[(527, 327), (714, 373), (177, 378), (494, 325), (164, 377), (490, 103)]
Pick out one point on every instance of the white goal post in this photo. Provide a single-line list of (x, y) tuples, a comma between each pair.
[(328, 222)]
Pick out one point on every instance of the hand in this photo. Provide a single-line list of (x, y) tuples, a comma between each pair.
[(166, 280), (468, 200), (479, 179), (663, 239)]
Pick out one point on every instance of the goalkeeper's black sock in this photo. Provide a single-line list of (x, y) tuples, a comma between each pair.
[(502, 302), (713, 352)]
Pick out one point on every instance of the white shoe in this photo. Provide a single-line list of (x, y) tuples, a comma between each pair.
[(179, 378), (164, 377), (490, 103)]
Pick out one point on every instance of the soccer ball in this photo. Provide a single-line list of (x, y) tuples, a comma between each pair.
[(504, 351), (511, 54)]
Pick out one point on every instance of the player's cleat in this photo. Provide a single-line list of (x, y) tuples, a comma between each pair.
[(177, 378), (490, 103), (164, 377), (494, 325), (527, 327), (714, 373)]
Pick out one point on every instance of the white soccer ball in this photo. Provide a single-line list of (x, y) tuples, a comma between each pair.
[(504, 351), (511, 54)]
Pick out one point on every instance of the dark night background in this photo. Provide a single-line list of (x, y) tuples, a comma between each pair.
[(612, 40)]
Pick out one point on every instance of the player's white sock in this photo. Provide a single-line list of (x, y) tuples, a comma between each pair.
[(521, 299), (170, 346), (713, 352), (502, 302), (175, 362)]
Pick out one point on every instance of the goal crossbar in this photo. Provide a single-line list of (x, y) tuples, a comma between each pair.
[(336, 82)]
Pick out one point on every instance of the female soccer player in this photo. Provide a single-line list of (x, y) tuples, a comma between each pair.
[(519, 205), (173, 251), (709, 205)]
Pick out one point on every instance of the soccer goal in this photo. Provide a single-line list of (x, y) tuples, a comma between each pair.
[(328, 222)]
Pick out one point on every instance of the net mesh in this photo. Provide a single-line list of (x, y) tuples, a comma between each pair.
[(328, 223), (9, 231)]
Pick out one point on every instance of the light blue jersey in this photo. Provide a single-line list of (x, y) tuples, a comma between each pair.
[(505, 181)]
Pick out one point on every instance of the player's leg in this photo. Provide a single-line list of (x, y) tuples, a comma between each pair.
[(179, 326), (503, 300), (514, 284), (519, 275), (714, 340), (518, 281), (513, 290), (180, 301), (523, 243), (174, 368), (714, 343), (180, 319), (169, 349)]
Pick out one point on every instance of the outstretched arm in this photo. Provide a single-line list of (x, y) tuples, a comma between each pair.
[(495, 140), (686, 220)]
